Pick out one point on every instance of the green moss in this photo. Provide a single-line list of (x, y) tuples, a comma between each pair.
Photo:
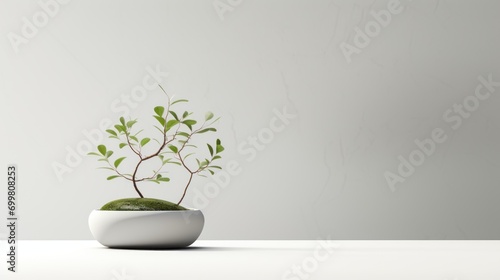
[(141, 204)]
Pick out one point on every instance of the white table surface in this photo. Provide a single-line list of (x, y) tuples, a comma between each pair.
[(402, 260)]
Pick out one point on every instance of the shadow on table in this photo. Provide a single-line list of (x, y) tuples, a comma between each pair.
[(209, 249)]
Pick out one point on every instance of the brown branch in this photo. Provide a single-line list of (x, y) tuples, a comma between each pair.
[(117, 172), (130, 144), (134, 181), (185, 189), (152, 176), (142, 159), (191, 173)]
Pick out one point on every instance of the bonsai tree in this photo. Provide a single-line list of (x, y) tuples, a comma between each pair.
[(176, 131)]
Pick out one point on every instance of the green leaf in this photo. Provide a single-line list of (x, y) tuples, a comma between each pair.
[(144, 141), (122, 120), (186, 156), (134, 138), (105, 167), (207, 129), (159, 129), (189, 123), (215, 166), (130, 123), (185, 114), (112, 177), (180, 100), (210, 149), (102, 149), (173, 148), (122, 145), (219, 149), (215, 120), (163, 179), (211, 172), (159, 110), (118, 161), (160, 120), (170, 124), (204, 163), (120, 128), (216, 157), (218, 142), (112, 132), (109, 153), (93, 154), (183, 134), (209, 115), (174, 114), (172, 162)]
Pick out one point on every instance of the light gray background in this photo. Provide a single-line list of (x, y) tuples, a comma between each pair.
[(323, 175)]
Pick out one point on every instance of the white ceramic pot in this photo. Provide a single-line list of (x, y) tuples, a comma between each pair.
[(146, 229)]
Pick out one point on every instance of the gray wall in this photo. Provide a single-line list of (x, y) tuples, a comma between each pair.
[(360, 94)]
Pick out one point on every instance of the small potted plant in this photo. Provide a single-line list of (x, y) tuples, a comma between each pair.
[(143, 222)]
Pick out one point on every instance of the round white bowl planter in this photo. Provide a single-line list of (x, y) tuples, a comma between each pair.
[(146, 229)]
